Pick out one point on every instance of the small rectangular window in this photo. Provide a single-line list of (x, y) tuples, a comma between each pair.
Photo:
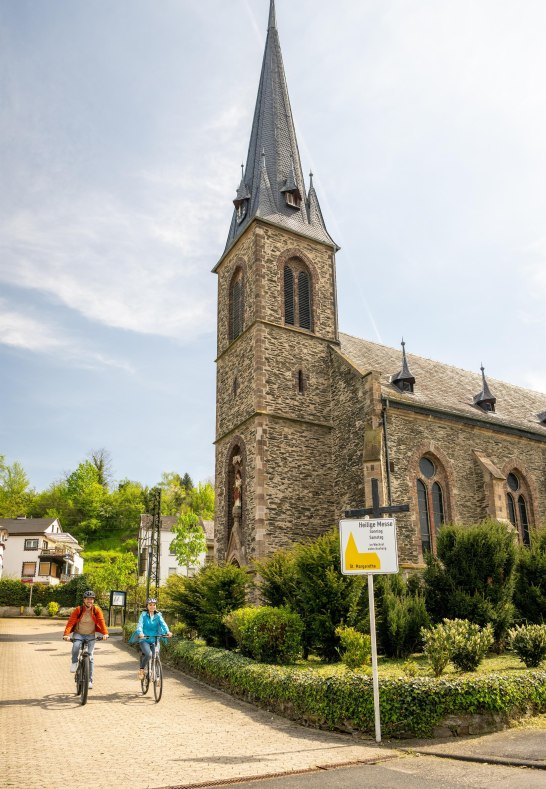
[(43, 568), (171, 571), (29, 569), (31, 545)]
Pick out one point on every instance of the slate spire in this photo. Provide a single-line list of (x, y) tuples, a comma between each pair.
[(279, 195), (485, 399), (404, 380)]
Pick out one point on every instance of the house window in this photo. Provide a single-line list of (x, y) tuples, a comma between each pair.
[(43, 568), (236, 305), (171, 571), (297, 295), (191, 572), (171, 550), (517, 507), (29, 570), (430, 501), (44, 544), (31, 545)]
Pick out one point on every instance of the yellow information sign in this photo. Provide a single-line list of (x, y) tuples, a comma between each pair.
[(368, 546)]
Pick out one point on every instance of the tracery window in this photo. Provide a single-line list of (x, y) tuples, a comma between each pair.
[(518, 510), (431, 502), (236, 305), (297, 295)]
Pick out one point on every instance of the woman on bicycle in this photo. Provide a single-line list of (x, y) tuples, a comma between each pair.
[(150, 624), (85, 620)]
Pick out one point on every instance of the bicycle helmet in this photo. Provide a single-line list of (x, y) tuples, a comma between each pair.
[(89, 593), (151, 600)]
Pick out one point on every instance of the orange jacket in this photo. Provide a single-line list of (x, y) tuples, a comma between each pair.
[(98, 618)]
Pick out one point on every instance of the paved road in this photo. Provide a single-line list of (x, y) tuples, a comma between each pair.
[(124, 740)]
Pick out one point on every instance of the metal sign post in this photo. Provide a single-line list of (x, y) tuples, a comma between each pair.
[(368, 547)]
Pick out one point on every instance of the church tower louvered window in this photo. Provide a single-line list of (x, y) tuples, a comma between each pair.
[(298, 306), (236, 305)]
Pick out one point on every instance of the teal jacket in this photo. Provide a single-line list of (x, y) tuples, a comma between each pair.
[(149, 628)]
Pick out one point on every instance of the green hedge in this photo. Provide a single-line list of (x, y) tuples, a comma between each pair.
[(409, 707)]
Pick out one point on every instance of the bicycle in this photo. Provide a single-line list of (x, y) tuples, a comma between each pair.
[(81, 677), (154, 670)]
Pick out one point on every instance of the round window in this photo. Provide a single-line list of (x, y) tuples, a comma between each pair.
[(513, 482), (427, 468)]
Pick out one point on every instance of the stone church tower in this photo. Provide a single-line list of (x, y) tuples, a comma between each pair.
[(276, 320), (308, 418)]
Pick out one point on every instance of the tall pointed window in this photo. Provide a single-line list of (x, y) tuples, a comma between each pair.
[(298, 300), (518, 497), (236, 305), (430, 502)]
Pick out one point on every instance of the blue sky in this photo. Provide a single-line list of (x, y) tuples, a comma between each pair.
[(122, 129)]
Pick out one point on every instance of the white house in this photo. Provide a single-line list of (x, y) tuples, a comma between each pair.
[(3, 538), (168, 563), (39, 551)]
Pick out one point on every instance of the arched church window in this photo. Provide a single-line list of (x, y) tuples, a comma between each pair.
[(298, 303), (430, 502), (236, 305), (517, 506)]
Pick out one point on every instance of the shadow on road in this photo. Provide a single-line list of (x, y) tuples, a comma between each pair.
[(57, 701)]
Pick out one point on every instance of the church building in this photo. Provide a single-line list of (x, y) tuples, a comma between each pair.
[(307, 417)]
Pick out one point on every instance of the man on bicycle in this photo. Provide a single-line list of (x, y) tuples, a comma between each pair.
[(150, 624), (85, 620)]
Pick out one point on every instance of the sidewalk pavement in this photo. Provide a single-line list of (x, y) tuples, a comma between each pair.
[(196, 735)]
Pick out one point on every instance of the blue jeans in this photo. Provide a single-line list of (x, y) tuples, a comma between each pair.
[(146, 652), (78, 638)]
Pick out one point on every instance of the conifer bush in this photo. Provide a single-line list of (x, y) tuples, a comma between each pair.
[(472, 576), (401, 614), (530, 582), (529, 643), (203, 601)]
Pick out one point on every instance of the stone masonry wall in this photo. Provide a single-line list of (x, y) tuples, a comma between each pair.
[(452, 444)]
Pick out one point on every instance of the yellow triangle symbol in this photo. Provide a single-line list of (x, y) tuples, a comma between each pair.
[(354, 560)]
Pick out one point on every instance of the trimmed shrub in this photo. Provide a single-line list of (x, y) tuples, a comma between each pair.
[(266, 634), (13, 592), (530, 585), (469, 643), (355, 647), (53, 608), (401, 615), (473, 576), (529, 643), (437, 648), (203, 601), (38, 609)]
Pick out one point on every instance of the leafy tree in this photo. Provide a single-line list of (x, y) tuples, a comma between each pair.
[(107, 570), (15, 493), (102, 461), (189, 540), (473, 576), (201, 500), (173, 494)]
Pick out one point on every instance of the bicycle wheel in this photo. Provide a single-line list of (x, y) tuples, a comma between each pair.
[(145, 681), (85, 679), (158, 680), (78, 678)]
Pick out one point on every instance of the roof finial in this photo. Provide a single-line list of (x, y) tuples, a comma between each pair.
[(485, 399), (404, 380), (310, 179), (263, 158), (272, 15)]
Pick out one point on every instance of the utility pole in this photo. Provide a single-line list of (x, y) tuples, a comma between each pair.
[(154, 543)]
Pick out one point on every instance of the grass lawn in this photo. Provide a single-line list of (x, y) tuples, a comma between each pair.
[(508, 663)]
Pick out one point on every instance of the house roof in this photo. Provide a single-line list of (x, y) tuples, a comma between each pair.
[(27, 525), (442, 387), (273, 164), (168, 521)]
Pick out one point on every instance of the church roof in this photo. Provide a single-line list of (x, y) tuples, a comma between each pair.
[(273, 165), (441, 387)]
